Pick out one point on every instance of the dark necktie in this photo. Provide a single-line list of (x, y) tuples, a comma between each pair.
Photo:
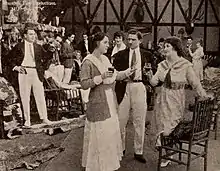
[(133, 63), (167, 80), (30, 50)]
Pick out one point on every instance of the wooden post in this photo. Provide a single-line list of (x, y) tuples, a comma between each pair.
[(73, 19), (1, 25), (122, 15), (155, 22), (173, 17), (2, 131), (205, 25)]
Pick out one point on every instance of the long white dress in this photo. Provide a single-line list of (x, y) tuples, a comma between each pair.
[(197, 62), (102, 148)]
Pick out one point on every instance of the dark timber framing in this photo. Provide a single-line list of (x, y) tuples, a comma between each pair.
[(121, 15)]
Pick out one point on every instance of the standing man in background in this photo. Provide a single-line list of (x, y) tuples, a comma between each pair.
[(67, 57), (27, 65), (131, 92), (84, 46)]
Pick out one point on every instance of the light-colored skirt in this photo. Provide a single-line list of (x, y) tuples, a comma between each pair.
[(102, 148), (198, 68)]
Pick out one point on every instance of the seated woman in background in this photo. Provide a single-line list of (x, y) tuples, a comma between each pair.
[(175, 73), (197, 58)]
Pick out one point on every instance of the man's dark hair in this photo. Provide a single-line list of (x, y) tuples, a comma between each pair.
[(29, 26), (69, 34), (138, 33)]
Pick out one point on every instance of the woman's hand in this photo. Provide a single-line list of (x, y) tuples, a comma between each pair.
[(107, 74), (210, 96), (207, 96)]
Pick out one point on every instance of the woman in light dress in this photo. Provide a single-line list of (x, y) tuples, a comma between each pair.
[(175, 72), (102, 146), (197, 58), (119, 44)]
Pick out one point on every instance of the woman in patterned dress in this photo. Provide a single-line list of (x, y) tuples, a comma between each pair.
[(175, 73)]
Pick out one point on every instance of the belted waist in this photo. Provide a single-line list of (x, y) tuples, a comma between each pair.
[(28, 66), (136, 81), (131, 81), (175, 86)]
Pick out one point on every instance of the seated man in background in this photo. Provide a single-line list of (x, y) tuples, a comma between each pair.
[(51, 77)]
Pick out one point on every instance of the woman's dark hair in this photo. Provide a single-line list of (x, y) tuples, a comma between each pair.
[(199, 40), (96, 39), (189, 37), (96, 29), (176, 43), (161, 40), (119, 34)]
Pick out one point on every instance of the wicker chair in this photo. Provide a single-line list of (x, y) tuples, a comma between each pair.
[(199, 136), (63, 102)]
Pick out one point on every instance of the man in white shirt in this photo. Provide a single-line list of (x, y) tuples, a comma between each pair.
[(27, 64), (131, 92)]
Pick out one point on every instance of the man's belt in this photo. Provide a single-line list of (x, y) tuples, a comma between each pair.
[(28, 67), (131, 81), (136, 81)]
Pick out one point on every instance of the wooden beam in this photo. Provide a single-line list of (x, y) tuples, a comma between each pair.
[(155, 22), (88, 15), (73, 19), (122, 14), (163, 11), (205, 25), (129, 11), (214, 11), (95, 11), (198, 9), (190, 10), (173, 17), (115, 11), (148, 10), (158, 24), (105, 15), (219, 40), (83, 13), (181, 9)]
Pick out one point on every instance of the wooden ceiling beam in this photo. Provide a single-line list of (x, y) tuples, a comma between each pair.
[(163, 11)]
